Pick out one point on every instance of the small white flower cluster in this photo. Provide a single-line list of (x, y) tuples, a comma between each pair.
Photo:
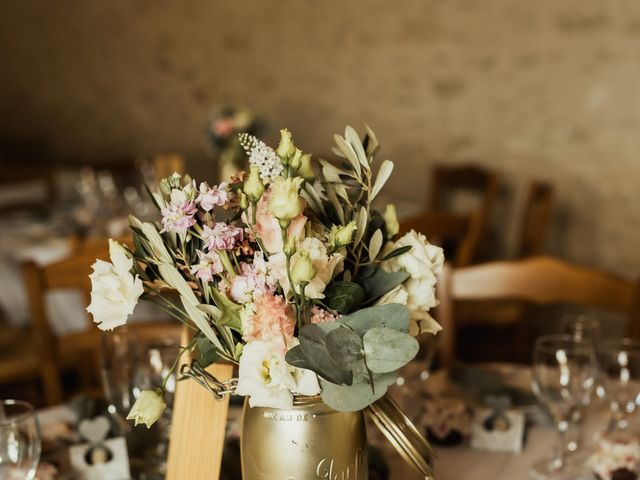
[(262, 156)]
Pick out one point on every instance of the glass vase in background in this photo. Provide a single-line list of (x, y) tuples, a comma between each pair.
[(131, 363), (19, 440), (620, 379), (583, 328), (564, 373)]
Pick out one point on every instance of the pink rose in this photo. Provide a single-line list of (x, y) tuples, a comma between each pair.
[(268, 229)]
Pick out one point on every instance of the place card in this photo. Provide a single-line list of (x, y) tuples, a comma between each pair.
[(107, 460), (498, 430)]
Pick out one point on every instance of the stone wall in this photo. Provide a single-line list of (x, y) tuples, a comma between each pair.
[(533, 89)]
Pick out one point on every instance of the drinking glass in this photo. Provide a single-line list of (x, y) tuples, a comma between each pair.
[(620, 367), (131, 364), (582, 328), (19, 440), (564, 373)]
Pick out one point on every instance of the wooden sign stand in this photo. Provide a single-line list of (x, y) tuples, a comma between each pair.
[(198, 427)]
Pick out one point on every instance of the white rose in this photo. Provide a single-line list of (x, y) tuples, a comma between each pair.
[(423, 261), (265, 377), (114, 290)]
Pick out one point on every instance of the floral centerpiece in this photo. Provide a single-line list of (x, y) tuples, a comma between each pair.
[(223, 129), (287, 271)]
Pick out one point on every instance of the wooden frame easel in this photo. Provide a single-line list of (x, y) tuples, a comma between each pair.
[(198, 426)]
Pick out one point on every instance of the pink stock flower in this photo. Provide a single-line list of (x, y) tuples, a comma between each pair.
[(254, 281), (273, 321), (178, 215), (268, 229), (222, 236), (209, 265), (319, 315), (209, 197)]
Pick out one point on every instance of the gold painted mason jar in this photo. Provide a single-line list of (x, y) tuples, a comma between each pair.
[(310, 441)]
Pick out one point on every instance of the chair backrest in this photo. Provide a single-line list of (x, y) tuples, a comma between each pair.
[(535, 219), (539, 281), (482, 183), (26, 188)]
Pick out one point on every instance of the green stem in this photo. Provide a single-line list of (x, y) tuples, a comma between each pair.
[(226, 263), (175, 363)]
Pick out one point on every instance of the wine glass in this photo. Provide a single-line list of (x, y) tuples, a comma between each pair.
[(620, 367), (582, 328), (19, 440), (131, 364), (564, 373)]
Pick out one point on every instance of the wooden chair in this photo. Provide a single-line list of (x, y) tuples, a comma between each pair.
[(539, 281), (26, 188), (473, 179), (535, 219), (53, 351)]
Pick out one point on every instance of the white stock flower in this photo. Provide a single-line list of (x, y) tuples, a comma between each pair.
[(114, 290)]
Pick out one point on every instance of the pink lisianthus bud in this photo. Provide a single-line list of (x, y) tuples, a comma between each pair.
[(268, 229)]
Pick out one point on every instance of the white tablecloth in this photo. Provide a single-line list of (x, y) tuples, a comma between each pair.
[(65, 308)]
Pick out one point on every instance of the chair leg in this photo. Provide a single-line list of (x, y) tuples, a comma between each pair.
[(50, 375)]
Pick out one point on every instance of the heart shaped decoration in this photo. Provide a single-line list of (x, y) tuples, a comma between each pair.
[(94, 430)]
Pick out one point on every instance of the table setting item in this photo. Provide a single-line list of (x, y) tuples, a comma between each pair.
[(20, 441), (620, 380), (564, 374)]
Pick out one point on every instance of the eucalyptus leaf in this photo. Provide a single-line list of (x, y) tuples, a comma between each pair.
[(345, 347), (383, 175), (397, 252), (387, 349), (392, 315), (357, 396), (381, 282), (375, 244), (343, 296), (317, 359)]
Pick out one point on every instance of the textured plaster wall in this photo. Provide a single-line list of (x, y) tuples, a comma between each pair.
[(546, 89)]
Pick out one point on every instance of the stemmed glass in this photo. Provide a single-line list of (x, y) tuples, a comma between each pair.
[(19, 440), (564, 373), (620, 367), (586, 329)]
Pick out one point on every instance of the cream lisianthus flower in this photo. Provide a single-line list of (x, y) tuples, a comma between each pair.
[(114, 290), (326, 267), (148, 408), (265, 377), (285, 202)]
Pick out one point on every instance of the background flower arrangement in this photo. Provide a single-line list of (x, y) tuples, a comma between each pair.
[(304, 284), (223, 128)]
